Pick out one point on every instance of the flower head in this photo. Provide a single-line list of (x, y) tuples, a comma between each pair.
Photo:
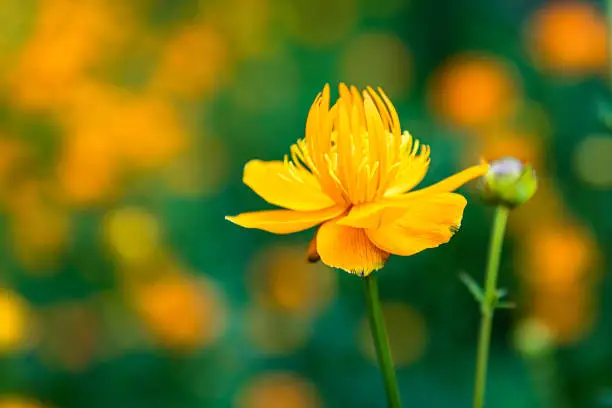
[(352, 174)]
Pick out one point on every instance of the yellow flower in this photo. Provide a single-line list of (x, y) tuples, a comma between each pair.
[(352, 173)]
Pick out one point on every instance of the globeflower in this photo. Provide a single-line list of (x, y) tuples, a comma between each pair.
[(353, 175)]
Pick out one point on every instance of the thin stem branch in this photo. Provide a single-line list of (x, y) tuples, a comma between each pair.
[(381, 342), (489, 303)]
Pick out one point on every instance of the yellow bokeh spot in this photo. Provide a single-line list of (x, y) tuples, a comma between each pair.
[(19, 402), (278, 390), (377, 59), (180, 311), (283, 280), (305, 22), (14, 322), (277, 333), (178, 74), (568, 37), (474, 90), (407, 333), (592, 161), (132, 234)]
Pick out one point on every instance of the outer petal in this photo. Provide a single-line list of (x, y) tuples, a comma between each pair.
[(389, 209), (373, 215), (285, 221), (349, 249), (428, 222), (275, 183), (455, 181)]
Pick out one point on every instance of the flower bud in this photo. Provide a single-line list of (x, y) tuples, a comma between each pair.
[(509, 182)]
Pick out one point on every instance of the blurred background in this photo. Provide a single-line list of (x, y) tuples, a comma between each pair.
[(124, 127)]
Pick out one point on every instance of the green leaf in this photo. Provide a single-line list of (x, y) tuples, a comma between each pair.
[(472, 286)]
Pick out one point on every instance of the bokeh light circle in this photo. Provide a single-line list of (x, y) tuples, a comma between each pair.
[(15, 322), (19, 402), (132, 234), (280, 278), (180, 311), (278, 390), (474, 90), (592, 161), (568, 37)]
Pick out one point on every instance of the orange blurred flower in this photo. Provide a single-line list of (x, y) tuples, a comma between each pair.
[(278, 390), (19, 402), (523, 147), (474, 90), (558, 255), (180, 74), (147, 133), (568, 37), (568, 314), (88, 169), (110, 132), (558, 261), (181, 312), (351, 174), (281, 280), (68, 39)]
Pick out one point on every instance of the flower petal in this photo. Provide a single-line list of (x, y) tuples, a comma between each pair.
[(455, 181), (389, 209), (349, 249), (285, 221), (373, 215), (295, 189), (427, 223)]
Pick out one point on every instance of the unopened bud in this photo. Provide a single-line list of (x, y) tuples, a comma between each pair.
[(509, 182)]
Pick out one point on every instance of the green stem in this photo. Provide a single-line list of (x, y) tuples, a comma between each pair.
[(381, 342), (489, 303)]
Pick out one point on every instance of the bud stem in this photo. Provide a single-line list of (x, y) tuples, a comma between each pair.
[(381, 341), (489, 303)]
